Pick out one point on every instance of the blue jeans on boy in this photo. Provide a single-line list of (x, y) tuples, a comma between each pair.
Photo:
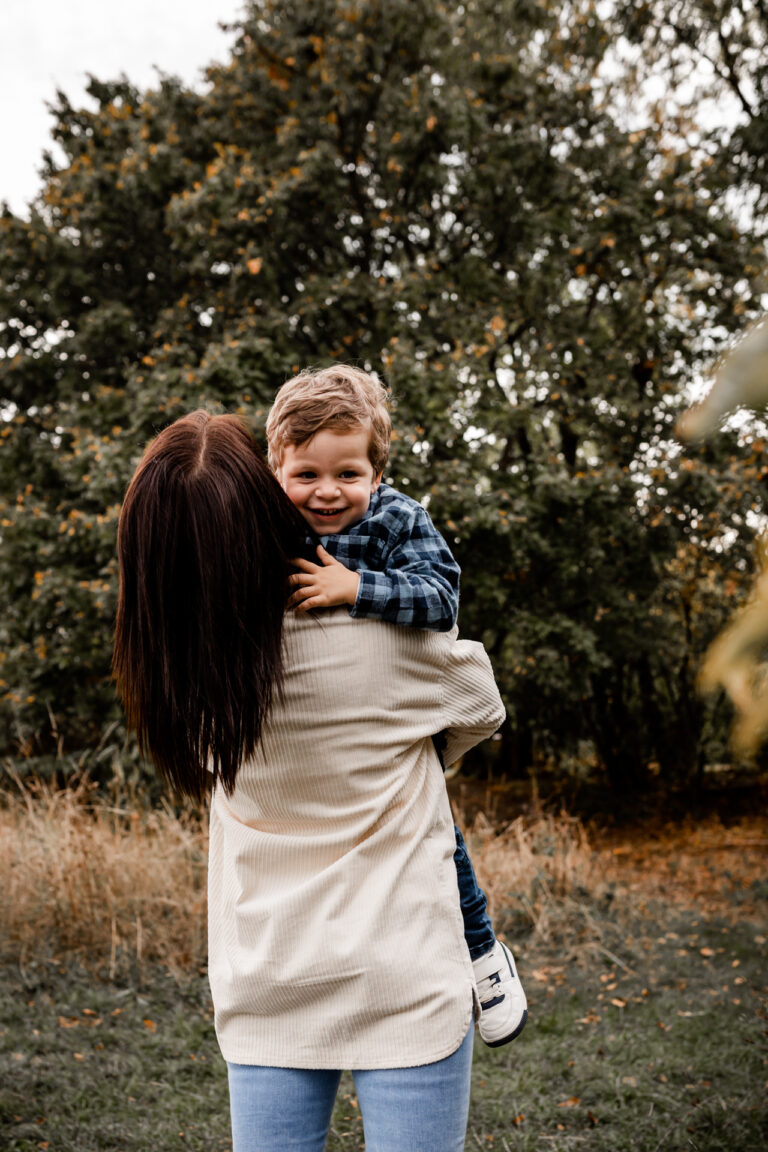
[(478, 931), (403, 1109)]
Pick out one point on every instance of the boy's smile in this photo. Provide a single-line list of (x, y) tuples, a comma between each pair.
[(330, 478)]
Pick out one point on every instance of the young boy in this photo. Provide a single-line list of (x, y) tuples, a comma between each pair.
[(328, 436)]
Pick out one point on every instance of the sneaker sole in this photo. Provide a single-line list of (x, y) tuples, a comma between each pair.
[(512, 1036)]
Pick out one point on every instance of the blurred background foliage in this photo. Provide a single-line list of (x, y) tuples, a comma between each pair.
[(529, 219)]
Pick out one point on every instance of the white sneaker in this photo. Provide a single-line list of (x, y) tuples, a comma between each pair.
[(504, 1009)]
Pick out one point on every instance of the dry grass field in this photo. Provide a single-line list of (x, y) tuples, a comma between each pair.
[(643, 951), (114, 886), (110, 885)]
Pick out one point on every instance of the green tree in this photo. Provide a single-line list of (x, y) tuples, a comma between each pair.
[(450, 196)]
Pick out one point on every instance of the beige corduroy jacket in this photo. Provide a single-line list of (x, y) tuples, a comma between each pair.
[(335, 934)]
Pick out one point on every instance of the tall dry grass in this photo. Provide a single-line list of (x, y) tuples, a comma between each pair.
[(544, 881), (104, 883), (115, 886)]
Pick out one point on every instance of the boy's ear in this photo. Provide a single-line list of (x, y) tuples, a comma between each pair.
[(376, 481)]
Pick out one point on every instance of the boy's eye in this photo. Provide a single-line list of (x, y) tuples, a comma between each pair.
[(349, 474), (307, 475)]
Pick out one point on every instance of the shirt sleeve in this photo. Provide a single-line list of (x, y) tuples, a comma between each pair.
[(419, 585), (472, 707)]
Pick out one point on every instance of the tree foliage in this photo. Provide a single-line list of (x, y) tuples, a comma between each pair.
[(454, 197)]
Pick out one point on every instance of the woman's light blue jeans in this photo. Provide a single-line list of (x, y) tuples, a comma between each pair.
[(420, 1109)]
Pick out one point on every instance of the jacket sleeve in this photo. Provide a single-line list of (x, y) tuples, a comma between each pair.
[(419, 585), (472, 707)]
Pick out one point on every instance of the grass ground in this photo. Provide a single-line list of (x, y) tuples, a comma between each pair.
[(648, 993)]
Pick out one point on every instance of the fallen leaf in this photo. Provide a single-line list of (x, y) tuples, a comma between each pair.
[(571, 1102), (150, 1025), (618, 1003)]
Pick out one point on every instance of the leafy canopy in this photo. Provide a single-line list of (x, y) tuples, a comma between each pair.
[(455, 197)]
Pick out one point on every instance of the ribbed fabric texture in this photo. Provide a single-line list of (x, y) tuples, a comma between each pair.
[(335, 934)]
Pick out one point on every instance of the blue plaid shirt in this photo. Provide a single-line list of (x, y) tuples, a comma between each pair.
[(407, 573)]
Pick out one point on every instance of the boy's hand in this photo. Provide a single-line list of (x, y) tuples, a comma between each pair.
[(322, 585)]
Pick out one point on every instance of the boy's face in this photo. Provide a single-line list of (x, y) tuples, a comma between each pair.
[(330, 479)]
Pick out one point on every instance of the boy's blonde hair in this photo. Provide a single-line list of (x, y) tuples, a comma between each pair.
[(339, 398)]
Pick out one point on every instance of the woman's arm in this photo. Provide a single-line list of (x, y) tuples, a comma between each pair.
[(472, 707)]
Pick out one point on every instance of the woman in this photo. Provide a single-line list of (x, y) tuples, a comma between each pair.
[(335, 936)]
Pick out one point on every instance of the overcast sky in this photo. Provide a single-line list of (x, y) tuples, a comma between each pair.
[(50, 44)]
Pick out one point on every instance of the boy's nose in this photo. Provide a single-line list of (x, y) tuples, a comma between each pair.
[(327, 489)]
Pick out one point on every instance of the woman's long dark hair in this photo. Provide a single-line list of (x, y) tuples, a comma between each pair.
[(205, 539)]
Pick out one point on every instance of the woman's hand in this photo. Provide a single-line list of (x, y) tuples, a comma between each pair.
[(322, 585)]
